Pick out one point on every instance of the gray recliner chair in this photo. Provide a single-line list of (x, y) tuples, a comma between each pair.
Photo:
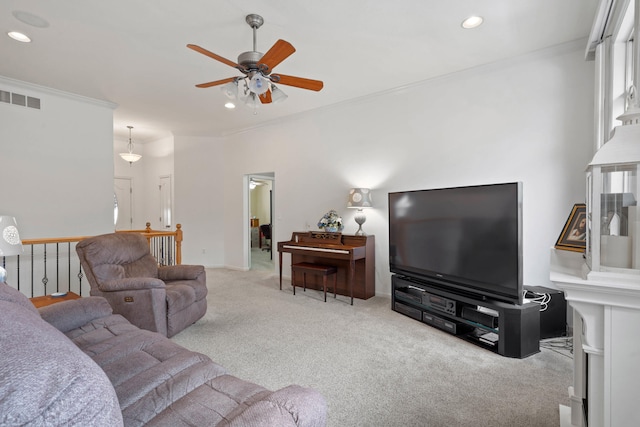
[(120, 268)]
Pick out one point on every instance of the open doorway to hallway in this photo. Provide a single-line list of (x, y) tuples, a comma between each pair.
[(261, 214)]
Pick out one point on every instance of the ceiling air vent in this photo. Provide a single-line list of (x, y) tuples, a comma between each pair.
[(18, 99)]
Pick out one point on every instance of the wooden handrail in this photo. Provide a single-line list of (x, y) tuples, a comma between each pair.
[(149, 233), (50, 240), (52, 266)]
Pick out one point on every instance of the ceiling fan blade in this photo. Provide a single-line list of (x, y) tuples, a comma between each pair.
[(265, 98), (214, 56), (280, 51), (297, 82), (216, 83)]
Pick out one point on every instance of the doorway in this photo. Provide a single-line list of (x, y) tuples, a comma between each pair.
[(261, 213), (165, 201), (123, 200)]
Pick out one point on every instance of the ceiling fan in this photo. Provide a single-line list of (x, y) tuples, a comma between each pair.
[(259, 82), (255, 183)]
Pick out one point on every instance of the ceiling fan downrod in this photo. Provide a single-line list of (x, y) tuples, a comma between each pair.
[(255, 22)]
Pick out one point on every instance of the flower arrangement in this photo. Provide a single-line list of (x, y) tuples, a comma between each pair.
[(331, 221)]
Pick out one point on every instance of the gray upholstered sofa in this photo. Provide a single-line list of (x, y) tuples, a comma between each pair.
[(76, 363)]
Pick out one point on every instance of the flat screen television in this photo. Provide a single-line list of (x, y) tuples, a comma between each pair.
[(466, 239)]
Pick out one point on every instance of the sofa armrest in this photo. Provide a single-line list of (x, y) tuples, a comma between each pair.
[(290, 406), (140, 300), (130, 284), (68, 315), (46, 379), (180, 272)]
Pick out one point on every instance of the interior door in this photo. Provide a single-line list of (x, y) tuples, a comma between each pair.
[(165, 201), (123, 216)]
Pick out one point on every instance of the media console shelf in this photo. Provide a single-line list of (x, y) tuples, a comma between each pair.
[(507, 329)]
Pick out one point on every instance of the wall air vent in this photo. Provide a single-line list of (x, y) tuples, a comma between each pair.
[(33, 102), (18, 99)]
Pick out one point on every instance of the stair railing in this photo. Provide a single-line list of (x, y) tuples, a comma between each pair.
[(166, 246), (51, 265)]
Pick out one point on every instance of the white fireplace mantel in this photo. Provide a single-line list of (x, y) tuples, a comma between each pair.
[(607, 331)]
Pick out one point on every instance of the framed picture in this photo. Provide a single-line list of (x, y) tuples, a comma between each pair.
[(574, 233)]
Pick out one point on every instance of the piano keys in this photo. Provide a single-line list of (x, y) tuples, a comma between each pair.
[(353, 256)]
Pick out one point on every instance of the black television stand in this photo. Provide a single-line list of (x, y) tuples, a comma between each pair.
[(507, 329)]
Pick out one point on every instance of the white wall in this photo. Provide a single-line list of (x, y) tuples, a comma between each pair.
[(199, 199), (160, 156), (260, 205), (527, 119), (57, 164), (157, 160), (136, 172)]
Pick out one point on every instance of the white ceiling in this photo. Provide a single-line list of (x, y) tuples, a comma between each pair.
[(133, 52)]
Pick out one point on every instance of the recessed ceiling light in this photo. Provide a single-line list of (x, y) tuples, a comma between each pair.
[(472, 22), (19, 36), (230, 105)]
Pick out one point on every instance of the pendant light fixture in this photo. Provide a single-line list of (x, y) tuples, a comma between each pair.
[(130, 156)]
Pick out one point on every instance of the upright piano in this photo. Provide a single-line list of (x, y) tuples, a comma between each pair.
[(354, 257)]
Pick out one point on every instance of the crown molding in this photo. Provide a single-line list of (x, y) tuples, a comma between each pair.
[(56, 92), (560, 49)]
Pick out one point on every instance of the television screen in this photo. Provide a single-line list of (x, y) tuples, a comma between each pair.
[(465, 238)]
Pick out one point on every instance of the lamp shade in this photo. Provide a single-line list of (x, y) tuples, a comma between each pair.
[(277, 95), (10, 243), (258, 84), (252, 101), (359, 198), (230, 90), (130, 157)]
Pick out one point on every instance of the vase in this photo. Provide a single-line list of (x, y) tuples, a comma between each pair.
[(331, 229)]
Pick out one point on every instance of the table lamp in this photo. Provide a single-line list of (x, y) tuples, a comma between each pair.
[(359, 198), (10, 243)]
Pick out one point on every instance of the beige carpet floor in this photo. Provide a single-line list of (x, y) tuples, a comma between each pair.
[(374, 366)]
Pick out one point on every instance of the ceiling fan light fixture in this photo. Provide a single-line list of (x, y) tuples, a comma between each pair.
[(230, 90), (258, 84), (253, 183), (472, 22), (277, 95), (252, 101)]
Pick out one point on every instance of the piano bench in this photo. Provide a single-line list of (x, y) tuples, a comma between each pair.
[(310, 268)]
